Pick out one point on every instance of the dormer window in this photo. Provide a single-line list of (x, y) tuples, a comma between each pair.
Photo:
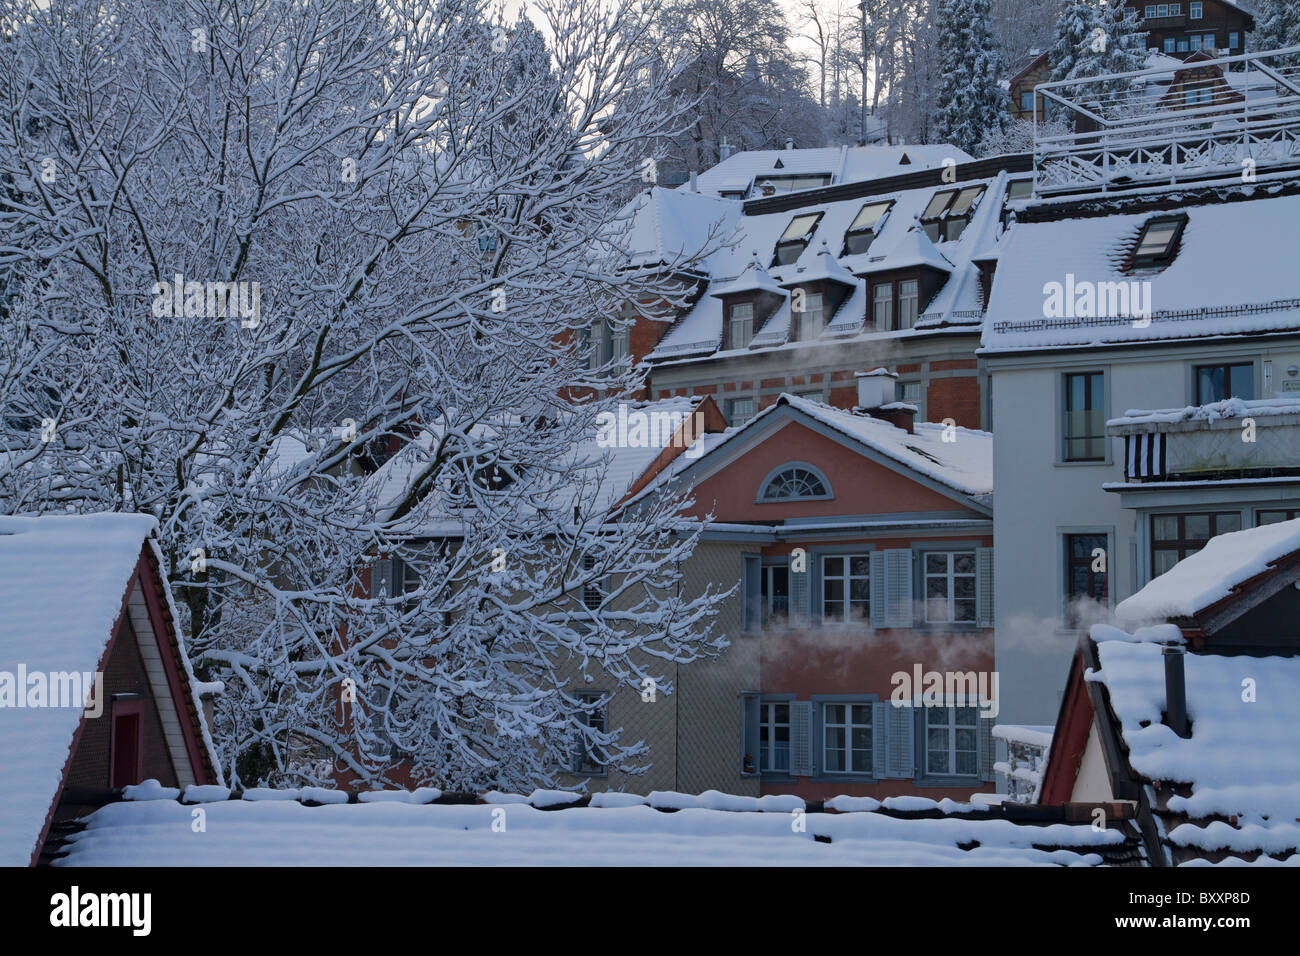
[(740, 325), (949, 212), (865, 227), (811, 318), (789, 184), (1158, 243), (795, 238), (795, 483)]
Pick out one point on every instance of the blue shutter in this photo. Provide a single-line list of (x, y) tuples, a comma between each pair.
[(749, 732), (877, 589), (878, 746), (801, 759), (799, 595), (984, 586), (900, 757), (987, 748), (898, 587), (752, 609)]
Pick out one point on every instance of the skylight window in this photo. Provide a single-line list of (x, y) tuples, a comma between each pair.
[(795, 238), (949, 212), (865, 227), (1158, 243), (789, 184)]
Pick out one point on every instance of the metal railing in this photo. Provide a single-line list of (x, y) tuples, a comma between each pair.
[(1232, 117)]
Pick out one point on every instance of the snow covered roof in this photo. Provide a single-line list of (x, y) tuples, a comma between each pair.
[(616, 829), (896, 245), (63, 580), (1263, 296), (743, 170), (964, 465), (1231, 791), (670, 225), (1209, 575)]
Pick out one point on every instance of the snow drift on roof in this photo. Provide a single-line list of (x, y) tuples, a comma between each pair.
[(844, 164), (1241, 759), (285, 833), (1210, 574), (62, 582)]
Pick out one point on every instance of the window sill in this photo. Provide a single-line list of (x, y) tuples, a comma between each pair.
[(844, 778), (951, 781), (1098, 463)]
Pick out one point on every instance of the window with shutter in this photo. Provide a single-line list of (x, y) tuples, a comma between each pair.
[(878, 737), (984, 572), (898, 587), (749, 744), (801, 757), (899, 748), (751, 610), (987, 748), (877, 589)]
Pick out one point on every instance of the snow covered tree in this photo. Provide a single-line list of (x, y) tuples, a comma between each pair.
[(1277, 25), (732, 67), (253, 251), (971, 102), (1096, 38)]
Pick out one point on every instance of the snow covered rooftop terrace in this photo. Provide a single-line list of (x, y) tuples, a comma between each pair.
[(663, 829), (1126, 140)]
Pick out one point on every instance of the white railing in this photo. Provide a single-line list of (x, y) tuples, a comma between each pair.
[(1137, 130)]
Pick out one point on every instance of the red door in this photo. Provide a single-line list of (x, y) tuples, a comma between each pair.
[(124, 767)]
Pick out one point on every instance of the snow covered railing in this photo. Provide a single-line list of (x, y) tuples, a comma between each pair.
[(1130, 133), (1027, 751), (1231, 438)]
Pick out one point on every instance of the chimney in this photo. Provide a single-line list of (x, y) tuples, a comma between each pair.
[(695, 185), (876, 399), (767, 189), (789, 142), (1176, 691), (724, 149)]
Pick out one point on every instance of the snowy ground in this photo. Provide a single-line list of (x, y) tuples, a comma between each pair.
[(286, 833)]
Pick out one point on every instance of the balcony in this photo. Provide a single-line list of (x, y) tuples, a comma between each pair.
[(1165, 23), (1232, 439), (1130, 135)]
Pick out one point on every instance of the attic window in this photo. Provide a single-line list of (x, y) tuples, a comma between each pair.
[(789, 184), (948, 214), (795, 238), (795, 482), (1158, 243), (865, 227)]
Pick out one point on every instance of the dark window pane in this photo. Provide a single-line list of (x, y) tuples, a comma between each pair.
[(1197, 527), (1228, 522)]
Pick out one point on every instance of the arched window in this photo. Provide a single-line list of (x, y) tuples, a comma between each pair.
[(795, 482)]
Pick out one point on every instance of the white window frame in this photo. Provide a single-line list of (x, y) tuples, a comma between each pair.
[(950, 576), (846, 578), (950, 727), (810, 319), (1196, 11), (584, 761), (907, 316), (1150, 12), (731, 410), (848, 725), (742, 322), (768, 723), (888, 302)]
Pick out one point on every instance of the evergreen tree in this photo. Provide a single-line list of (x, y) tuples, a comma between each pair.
[(971, 103), (1096, 38), (1277, 25)]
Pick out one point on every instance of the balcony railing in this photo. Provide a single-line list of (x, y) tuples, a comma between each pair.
[(1228, 439), (1135, 131)]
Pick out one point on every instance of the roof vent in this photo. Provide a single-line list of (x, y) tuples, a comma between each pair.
[(724, 149), (779, 165), (1176, 691), (789, 142)]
